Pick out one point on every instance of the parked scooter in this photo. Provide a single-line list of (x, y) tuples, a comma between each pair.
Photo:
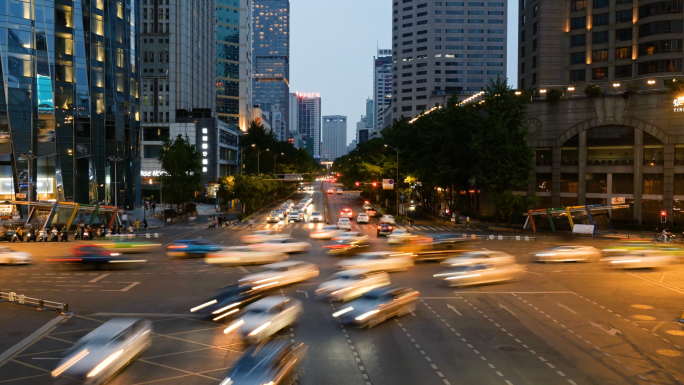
[(54, 235), (31, 235), (42, 235), (64, 235)]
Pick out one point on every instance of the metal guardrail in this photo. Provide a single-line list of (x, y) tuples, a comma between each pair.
[(62, 308), (509, 238), (134, 236)]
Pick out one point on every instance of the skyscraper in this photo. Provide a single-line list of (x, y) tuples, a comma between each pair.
[(309, 122), (362, 130), (293, 116), (334, 137), (445, 47), (69, 101), (271, 42), (382, 88), (234, 61)]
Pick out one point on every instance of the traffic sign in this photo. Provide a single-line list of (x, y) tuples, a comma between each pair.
[(403, 197), (388, 184)]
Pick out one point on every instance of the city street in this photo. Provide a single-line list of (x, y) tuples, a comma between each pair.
[(560, 324)]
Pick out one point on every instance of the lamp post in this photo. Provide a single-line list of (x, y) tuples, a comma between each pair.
[(115, 159), (29, 158), (242, 158), (258, 159), (274, 161), (396, 182)]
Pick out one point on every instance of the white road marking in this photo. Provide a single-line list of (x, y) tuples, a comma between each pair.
[(243, 269)]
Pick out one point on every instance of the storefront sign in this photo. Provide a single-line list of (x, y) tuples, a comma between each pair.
[(678, 104), (152, 173), (21, 196), (583, 229), (617, 200)]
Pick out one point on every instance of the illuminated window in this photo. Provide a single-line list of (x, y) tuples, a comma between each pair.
[(205, 161), (205, 138)]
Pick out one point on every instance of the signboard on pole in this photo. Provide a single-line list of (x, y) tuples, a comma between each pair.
[(388, 184), (617, 200), (21, 196), (583, 229)]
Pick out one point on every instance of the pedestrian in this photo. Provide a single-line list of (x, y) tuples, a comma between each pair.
[(124, 218), (251, 223), (220, 221), (215, 222), (137, 224), (153, 207), (144, 223), (467, 221)]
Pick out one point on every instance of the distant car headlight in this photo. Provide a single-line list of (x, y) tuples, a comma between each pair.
[(366, 315)]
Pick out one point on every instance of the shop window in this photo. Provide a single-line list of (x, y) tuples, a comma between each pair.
[(653, 184), (623, 183), (597, 183), (155, 134), (543, 157), (650, 211), (569, 201), (543, 182), (678, 184), (623, 215), (569, 183), (653, 155), (599, 73), (569, 156), (679, 155)]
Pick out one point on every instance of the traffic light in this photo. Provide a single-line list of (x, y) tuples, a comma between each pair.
[(338, 174), (375, 184), (357, 184), (663, 217)]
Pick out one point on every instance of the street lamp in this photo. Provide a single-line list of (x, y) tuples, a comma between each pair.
[(258, 159), (274, 161), (115, 159), (29, 158), (242, 157), (396, 182)]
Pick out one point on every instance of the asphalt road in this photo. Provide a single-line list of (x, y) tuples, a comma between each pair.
[(560, 324)]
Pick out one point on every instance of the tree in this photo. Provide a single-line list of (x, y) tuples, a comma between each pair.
[(182, 169)]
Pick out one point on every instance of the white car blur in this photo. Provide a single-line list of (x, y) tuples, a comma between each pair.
[(569, 253), (347, 213), (483, 256), (348, 284), (354, 235), (642, 259), (281, 274), (339, 192), (362, 218), (282, 245), (387, 219), (260, 236), (273, 217), (481, 273), (293, 216), (327, 232), (103, 352), (265, 317), (245, 255), (376, 261), (400, 237), (11, 257), (344, 224), (316, 217)]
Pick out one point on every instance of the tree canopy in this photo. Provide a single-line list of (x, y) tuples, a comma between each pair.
[(183, 169)]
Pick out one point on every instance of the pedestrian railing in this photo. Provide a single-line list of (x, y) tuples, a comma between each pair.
[(21, 299), (509, 238)]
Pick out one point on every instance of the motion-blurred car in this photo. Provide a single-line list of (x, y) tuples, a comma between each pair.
[(11, 257), (244, 255), (331, 191), (344, 224), (228, 301), (438, 247), (273, 361), (388, 219), (373, 212), (362, 218), (265, 317), (316, 217), (569, 253), (481, 273), (348, 284), (281, 274), (293, 216), (327, 232), (480, 256), (355, 235), (379, 260), (191, 248), (339, 191), (125, 245), (260, 236), (378, 305), (103, 352), (346, 246), (385, 228), (347, 213), (400, 237), (643, 259), (367, 206), (283, 245), (273, 217), (94, 255)]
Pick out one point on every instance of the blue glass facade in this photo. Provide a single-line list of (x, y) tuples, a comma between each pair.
[(70, 98), (228, 60), (271, 42)]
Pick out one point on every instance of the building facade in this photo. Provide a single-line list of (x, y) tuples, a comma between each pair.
[(334, 137), (627, 143), (64, 112), (382, 87), (271, 56), (362, 130), (445, 47), (293, 117), (234, 62), (309, 122)]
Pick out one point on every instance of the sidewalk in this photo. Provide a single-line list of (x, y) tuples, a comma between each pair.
[(139, 213)]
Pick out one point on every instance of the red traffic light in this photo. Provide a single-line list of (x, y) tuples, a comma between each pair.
[(338, 174), (375, 184), (663, 213), (357, 183)]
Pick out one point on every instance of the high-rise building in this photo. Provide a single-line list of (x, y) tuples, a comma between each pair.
[(445, 47), (234, 62), (362, 130), (309, 122), (271, 58), (334, 137), (293, 116), (69, 101), (382, 88)]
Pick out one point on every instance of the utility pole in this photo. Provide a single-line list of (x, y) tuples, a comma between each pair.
[(274, 161), (258, 160), (242, 158), (396, 181)]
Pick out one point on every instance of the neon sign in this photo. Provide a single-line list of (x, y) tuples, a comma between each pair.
[(307, 95), (678, 104)]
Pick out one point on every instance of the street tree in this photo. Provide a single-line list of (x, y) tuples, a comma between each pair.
[(182, 167)]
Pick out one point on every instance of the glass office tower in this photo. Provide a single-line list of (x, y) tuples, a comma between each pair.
[(69, 101)]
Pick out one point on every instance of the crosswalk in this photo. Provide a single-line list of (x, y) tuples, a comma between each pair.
[(313, 226)]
